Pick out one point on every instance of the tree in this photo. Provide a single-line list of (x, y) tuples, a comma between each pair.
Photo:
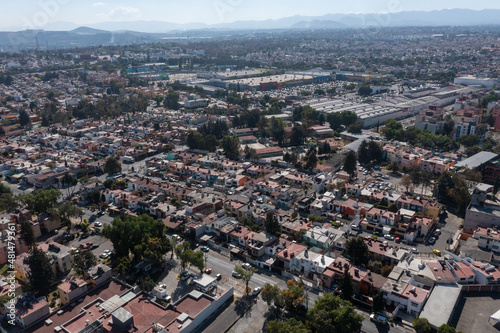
[(269, 293), (231, 146), (394, 167), (68, 210), (7, 200), (158, 99), (446, 329), (24, 118), (355, 128), (330, 313), (83, 260), (345, 284), (246, 274), (112, 166), (146, 284), (421, 325), (26, 231), (272, 224), (311, 160), (40, 273), (405, 181), (41, 201), (291, 325), (171, 101), (364, 90), (350, 163), (132, 235), (378, 302), (182, 252), (357, 250), (2, 131), (293, 296), (197, 260)]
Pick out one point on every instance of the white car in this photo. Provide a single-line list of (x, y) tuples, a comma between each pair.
[(256, 291), (246, 265), (98, 224), (389, 237)]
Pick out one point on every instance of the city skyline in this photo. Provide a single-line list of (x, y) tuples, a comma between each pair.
[(49, 14)]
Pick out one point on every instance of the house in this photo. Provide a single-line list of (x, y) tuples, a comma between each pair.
[(71, 289), (28, 309)]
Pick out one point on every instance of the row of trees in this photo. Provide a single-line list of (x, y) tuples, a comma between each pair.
[(394, 130), (329, 314)]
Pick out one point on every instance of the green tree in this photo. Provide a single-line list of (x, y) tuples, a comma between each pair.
[(378, 302), (158, 99), (132, 234), (345, 284), (421, 325), (41, 201), (355, 128), (271, 223), (332, 314), (357, 250), (350, 163), (172, 100), (2, 131), (405, 181), (293, 296), (246, 274), (291, 325), (83, 260), (183, 252), (7, 200), (68, 210), (40, 273), (26, 231), (311, 160), (231, 147), (146, 283), (197, 260), (112, 166), (364, 90), (446, 329), (269, 293), (24, 118)]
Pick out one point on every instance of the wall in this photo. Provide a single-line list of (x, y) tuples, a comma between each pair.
[(208, 311)]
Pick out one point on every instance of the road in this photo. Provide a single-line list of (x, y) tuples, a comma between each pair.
[(224, 266)]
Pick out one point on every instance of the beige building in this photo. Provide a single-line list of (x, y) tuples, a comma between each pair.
[(71, 289)]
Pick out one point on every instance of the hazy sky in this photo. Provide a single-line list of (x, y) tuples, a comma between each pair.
[(36, 13)]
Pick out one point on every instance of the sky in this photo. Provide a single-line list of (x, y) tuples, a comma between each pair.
[(30, 14)]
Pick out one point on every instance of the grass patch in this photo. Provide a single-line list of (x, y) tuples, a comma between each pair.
[(4, 269)]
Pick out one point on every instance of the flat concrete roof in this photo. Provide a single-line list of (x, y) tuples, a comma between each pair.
[(473, 311), (440, 304), (476, 160)]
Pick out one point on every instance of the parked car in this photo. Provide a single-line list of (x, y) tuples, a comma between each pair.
[(246, 265), (98, 224), (89, 244), (437, 252), (94, 246), (204, 248), (236, 274), (208, 270), (437, 232), (378, 318), (218, 277), (355, 227), (168, 299), (432, 240), (389, 237), (397, 240), (256, 291)]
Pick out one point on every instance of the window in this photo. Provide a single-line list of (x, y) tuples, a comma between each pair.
[(414, 304)]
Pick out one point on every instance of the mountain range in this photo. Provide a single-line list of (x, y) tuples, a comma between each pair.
[(446, 17)]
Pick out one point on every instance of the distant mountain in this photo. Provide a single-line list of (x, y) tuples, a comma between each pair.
[(318, 24), (88, 31), (453, 17)]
